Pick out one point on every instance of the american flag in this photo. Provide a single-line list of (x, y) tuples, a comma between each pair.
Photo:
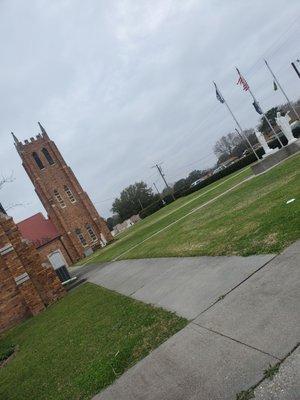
[(242, 81)]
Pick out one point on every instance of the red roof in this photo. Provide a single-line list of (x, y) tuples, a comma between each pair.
[(38, 230)]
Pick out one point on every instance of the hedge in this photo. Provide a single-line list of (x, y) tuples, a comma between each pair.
[(241, 163)]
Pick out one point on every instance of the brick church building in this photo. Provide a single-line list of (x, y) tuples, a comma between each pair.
[(74, 228), (27, 285)]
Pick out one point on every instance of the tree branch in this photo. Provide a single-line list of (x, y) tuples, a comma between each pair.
[(6, 179)]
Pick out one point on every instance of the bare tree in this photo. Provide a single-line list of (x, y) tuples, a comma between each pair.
[(226, 145), (3, 181), (251, 136)]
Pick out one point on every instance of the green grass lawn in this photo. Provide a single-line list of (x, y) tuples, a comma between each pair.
[(81, 344), (253, 218), (165, 216)]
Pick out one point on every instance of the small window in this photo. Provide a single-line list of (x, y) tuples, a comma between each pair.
[(91, 232), (38, 160), (47, 156), (59, 199), (70, 194), (81, 237)]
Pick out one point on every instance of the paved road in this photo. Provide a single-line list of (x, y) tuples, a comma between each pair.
[(229, 343)]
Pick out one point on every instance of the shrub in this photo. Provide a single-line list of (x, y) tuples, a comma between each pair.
[(6, 352), (241, 163), (152, 208)]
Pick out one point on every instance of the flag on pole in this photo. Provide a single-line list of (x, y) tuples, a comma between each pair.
[(275, 85), (218, 95), (257, 107), (242, 81)]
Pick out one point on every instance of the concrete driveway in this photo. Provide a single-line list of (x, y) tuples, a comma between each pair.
[(244, 316)]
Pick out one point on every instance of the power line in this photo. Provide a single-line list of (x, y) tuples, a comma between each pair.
[(281, 88), (183, 167), (103, 201), (212, 109), (275, 43), (159, 169)]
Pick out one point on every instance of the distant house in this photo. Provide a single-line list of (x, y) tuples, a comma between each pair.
[(135, 218), (47, 240), (125, 224)]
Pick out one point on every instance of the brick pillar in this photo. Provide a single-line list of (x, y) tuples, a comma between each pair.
[(26, 286), (13, 308), (44, 278), (17, 271)]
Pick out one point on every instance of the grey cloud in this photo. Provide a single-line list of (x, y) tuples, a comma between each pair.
[(120, 85)]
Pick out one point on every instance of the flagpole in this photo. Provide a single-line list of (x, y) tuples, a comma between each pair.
[(296, 69), (237, 123), (280, 87), (263, 113)]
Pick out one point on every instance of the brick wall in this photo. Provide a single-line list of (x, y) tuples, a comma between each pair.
[(27, 286), (13, 308), (48, 248)]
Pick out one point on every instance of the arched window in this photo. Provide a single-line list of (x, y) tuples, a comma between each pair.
[(70, 194), (38, 160), (59, 198), (47, 156)]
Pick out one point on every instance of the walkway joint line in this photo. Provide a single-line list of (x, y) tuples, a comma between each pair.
[(235, 340), (235, 287)]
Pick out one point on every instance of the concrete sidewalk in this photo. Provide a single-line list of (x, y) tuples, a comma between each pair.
[(193, 364), (185, 285), (285, 385), (264, 311), (229, 343)]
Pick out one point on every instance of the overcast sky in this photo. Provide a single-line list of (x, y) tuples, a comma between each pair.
[(120, 85)]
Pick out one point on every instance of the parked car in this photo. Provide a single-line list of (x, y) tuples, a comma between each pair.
[(246, 153), (220, 168), (231, 162), (296, 128), (197, 182)]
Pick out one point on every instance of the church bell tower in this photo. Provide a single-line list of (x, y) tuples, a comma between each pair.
[(67, 204)]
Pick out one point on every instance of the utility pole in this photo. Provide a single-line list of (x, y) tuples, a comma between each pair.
[(282, 91), (159, 169), (141, 204), (158, 192), (296, 69)]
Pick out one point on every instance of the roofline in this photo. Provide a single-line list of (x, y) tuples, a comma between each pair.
[(23, 220), (44, 244)]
